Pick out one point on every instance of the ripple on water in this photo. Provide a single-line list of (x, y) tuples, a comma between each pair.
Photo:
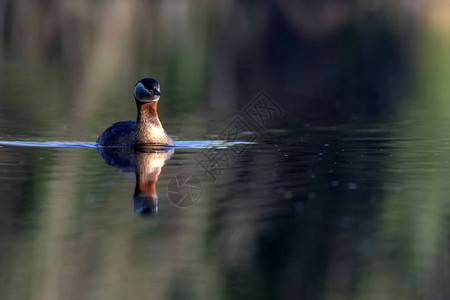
[(179, 144)]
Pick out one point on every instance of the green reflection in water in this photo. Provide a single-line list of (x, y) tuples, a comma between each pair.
[(411, 243), (79, 236)]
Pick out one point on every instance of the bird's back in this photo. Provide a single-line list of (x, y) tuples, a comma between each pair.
[(118, 134)]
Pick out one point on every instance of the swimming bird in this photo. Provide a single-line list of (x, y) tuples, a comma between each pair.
[(147, 129)]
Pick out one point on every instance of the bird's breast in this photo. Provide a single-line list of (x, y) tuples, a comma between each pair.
[(151, 134)]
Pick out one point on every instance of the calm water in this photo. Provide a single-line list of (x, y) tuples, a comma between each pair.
[(312, 157), (313, 212)]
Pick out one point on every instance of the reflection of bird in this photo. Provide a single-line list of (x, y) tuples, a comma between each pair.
[(147, 164), (147, 129)]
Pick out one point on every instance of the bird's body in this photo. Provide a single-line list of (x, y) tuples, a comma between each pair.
[(127, 133), (147, 129)]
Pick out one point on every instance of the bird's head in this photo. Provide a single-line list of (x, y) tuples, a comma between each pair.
[(147, 90)]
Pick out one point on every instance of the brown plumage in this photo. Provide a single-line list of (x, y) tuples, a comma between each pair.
[(147, 128)]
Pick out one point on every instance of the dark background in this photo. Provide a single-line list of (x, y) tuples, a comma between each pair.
[(345, 196)]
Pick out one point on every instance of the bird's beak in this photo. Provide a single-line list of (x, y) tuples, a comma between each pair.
[(156, 93)]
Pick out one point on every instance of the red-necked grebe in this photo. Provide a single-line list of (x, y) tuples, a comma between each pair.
[(147, 128)]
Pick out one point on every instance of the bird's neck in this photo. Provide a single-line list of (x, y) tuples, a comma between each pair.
[(148, 128), (147, 114)]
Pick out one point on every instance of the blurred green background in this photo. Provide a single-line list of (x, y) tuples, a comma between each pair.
[(368, 219)]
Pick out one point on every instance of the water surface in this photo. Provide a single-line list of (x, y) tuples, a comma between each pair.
[(312, 157), (332, 207)]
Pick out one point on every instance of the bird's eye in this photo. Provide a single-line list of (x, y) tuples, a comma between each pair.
[(150, 91)]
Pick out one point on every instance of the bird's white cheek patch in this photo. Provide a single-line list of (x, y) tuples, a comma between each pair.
[(140, 93)]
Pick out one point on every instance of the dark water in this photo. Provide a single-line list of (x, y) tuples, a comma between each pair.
[(338, 210), (312, 156)]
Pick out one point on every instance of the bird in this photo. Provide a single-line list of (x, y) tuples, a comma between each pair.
[(147, 129)]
